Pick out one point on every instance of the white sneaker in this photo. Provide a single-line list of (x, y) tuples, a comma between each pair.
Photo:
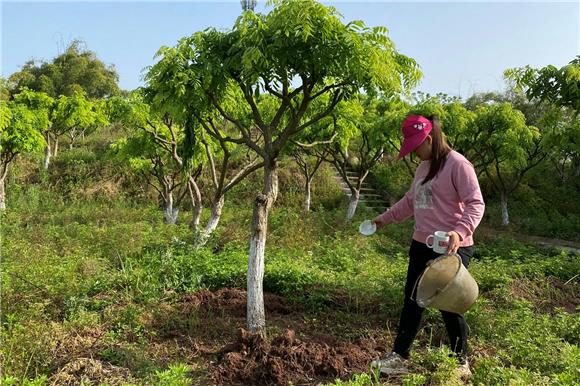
[(464, 371), (392, 364)]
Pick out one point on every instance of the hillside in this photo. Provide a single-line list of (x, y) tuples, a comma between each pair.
[(96, 288)]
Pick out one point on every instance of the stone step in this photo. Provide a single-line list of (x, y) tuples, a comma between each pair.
[(346, 189), (367, 196)]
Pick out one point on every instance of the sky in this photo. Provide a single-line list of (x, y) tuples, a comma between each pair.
[(462, 47)]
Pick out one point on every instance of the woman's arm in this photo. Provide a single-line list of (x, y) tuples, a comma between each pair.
[(402, 210)]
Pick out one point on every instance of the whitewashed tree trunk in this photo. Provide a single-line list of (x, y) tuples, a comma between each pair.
[(212, 223), (307, 195), (197, 205), (47, 152), (505, 218), (352, 205), (170, 214), (55, 151), (264, 201), (2, 196)]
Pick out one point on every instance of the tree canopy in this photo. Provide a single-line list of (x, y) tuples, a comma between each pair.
[(77, 69)]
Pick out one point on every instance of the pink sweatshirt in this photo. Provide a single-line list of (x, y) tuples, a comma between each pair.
[(451, 201)]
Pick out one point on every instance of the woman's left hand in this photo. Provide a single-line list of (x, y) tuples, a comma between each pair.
[(454, 241)]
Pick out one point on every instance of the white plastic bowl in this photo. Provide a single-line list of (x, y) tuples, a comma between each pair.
[(367, 227)]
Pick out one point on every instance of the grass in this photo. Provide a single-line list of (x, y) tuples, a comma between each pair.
[(99, 275)]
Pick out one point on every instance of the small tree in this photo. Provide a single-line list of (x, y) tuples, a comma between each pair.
[(361, 142), (20, 132), (152, 151), (172, 89), (74, 116), (560, 130), (42, 105), (309, 149), (308, 161), (506, 149)]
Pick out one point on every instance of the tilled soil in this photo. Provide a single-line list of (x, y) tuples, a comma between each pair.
[(252, 360), (233, 302)]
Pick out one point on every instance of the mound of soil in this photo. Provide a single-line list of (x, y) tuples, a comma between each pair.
[(252, 360), (86, 371), (232, 301)]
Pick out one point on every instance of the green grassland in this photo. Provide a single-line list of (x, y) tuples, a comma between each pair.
[(91, 272)]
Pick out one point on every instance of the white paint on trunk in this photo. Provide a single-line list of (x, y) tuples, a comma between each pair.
[(264, 201), (55, 151), (2, 196), (212, 223), (505, 218), (352, 205), (196, 215), (47, 155), (307, 197), (170, 213), (47, 152), (197, 205)]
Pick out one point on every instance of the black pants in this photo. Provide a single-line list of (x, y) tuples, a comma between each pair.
[(410, 320)]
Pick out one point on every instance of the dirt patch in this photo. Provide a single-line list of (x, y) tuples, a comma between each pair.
[(549, 294), (86, 371), (251, 359), (232, 301)]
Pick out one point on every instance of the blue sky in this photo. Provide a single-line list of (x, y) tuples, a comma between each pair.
[(462, 47)]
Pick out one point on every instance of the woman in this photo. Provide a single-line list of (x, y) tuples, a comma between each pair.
[(444, 196)]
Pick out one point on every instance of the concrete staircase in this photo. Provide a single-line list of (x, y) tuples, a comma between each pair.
[(369, 196)]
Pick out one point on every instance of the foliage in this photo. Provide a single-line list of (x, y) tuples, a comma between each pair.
[(560, 86), (20, 130), (75, 70)]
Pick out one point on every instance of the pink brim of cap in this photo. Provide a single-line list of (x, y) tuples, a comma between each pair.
[(412, 143)]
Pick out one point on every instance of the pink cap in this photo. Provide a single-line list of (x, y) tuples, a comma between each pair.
[(415, 129)]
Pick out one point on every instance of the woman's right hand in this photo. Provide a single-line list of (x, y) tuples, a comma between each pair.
[(378, 223)]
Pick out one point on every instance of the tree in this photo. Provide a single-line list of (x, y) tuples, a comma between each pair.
[(506, 149), (169, 92), (561, 130), (361, 138), (559, 86), (4, 92), (42, 105), (308, 159), (20, 132), (75, 70), (75, 115), (151, 150), (297, 53)]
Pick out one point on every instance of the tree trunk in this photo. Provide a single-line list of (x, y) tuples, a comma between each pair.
[(352, 205), (55, 152), (2, 196), (170, 214), (197, 205), (47, 152), (307, 196), (505, 219), (264, 201), (212, 223)]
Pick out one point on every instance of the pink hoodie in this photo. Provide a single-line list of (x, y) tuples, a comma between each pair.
[(451, 201)]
